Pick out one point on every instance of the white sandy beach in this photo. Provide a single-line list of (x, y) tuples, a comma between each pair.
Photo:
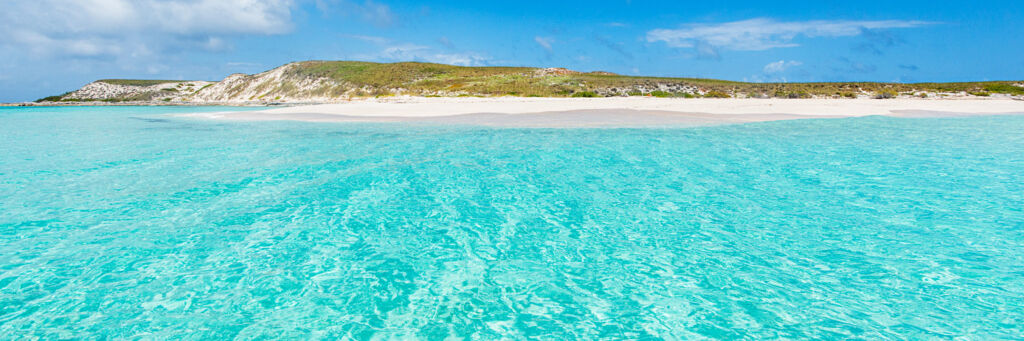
[(619, 111)]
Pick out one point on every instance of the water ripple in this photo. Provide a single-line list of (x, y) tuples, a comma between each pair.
[(872, 228)]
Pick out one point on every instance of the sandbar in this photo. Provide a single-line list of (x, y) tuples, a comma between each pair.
[(616, 111)]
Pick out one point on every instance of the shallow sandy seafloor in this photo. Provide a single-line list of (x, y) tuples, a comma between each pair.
[(616, 112)]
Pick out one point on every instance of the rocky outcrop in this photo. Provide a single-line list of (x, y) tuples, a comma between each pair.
[(113, 91), (277, 85), (282, 84), (554, 71), (651, 87)]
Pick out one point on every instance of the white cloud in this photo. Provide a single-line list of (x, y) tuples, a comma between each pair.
[(419, 53), (780, 66), (763, 34), (90, 28), (545, 42), (176, 16), (463, 59), (369, 39)]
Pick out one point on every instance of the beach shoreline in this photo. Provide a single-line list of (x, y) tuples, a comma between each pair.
[(618, 111)]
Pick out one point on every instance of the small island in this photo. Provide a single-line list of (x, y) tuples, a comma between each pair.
[(344, 91)]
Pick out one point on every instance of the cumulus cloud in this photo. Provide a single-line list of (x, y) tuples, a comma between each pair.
[(420, 53), (763, 34), (178, 17), (89, 28), (780, 66)]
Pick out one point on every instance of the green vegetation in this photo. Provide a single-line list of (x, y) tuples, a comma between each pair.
[(404, 74), (781, 93), (717, 94), (1004, 88), (585, 94), (885, 95), (51, 99), (365, 79)]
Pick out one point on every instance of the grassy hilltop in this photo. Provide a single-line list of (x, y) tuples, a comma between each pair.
[(344, 79), (522, 81)]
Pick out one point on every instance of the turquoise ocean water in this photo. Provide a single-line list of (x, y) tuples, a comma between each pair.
[(126, 223)]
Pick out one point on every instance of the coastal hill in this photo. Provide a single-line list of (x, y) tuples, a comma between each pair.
[(335, 81)]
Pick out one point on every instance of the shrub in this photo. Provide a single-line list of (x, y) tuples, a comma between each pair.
[(793, 95), (849, 95), (716, 94), (50, 99), (635, 93), (585, 94), (661, 94), (980, 93), (885, 95), (1004, 89)]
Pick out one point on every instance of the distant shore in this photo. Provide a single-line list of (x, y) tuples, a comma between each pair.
[(144, 104), (616, 111)]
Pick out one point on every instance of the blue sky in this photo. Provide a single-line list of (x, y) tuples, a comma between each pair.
[(52, 46)]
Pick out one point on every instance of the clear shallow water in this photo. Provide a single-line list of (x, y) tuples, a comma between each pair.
[(122, 223)]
